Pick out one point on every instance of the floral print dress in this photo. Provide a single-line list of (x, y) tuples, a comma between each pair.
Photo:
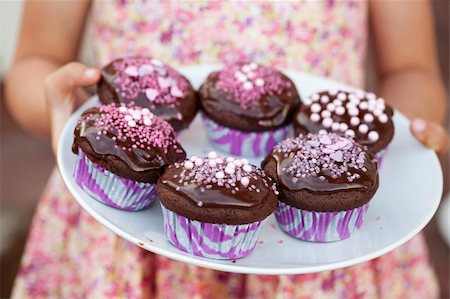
[(70, 255)]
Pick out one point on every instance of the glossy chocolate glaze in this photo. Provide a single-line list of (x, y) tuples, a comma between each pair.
[(303, 124), (108, 151), (217, 196), (179, 115), (269, 112), (323, 180)]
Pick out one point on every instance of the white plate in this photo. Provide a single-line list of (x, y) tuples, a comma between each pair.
[(408, 196)]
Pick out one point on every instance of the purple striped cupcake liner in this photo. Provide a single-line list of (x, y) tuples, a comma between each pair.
[(111, 189), (319, 226), (379, 157), (210, 240), (239, 143)]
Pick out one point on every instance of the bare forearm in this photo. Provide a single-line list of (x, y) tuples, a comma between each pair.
[(417, 93), (25, 93)]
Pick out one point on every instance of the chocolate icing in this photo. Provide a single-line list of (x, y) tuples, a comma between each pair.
[(383, 131), (207, 198), (269, 106), (178, 110), (128, 156)]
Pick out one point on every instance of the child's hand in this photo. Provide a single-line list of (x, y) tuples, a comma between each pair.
[(64, 93), (431, 135)]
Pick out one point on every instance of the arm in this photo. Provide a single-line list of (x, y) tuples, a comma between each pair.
[(49, 38), (408, 70)]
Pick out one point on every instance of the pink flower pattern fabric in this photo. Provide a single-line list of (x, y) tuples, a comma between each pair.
[(70, 255)]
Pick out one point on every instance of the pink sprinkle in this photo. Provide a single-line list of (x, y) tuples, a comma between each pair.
[(324, 139), (151, 94), (176, 92), (280, 241), (132, 71), (378, 218), (163, 82)]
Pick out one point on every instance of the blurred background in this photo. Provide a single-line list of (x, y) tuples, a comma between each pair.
[(30, 159)]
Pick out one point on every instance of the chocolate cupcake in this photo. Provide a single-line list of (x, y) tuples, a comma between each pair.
[(214, 207), (325, 182), (149, 84), (122, 150), (247, 108), (360, 115)]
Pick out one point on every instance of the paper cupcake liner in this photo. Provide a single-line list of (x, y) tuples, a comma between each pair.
[(210, 240), (379, 157), (319, 226), (110, 189), (239, 143)]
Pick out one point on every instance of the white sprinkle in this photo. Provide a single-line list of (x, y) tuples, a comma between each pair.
[(337, 103), (333, 92), (231, 165), (230, 159), (156, 62), (371, 96), (248, 85), (193, 158), (128, 117), (247, 168), (245, 181), (341, 96), (132, 123), (343, 127), (314, 117), (340, 110), (327, 122), (350, 133), (123, 109), (322, 132), (147, 121), (360, 94), (136, 115), (363, 128), (373, 136), (307, 102), (368, 118), (145, 111), (219, 160), (259, 82), (212, 155), (237, 163), (354, 121), (212, 163), (244, 161), (363, 105), (219, 175), (240, 76), (331, 107), (315, 97), (383, 118), (188, 164), (316, 108), (377, 112), (353, 111), (200, 203), (324, 99), (229, 170), (253, 66), (198, 162), (335, 126), (325, 113)]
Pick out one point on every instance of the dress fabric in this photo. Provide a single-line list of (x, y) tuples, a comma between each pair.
[(71, 255)]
